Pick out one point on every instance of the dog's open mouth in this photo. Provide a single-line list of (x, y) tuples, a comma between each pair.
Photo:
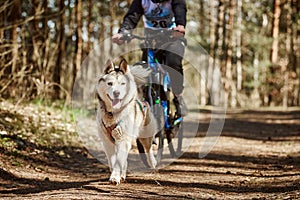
[(116, 103)]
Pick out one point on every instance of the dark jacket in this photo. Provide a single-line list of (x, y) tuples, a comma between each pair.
[(136, 10)]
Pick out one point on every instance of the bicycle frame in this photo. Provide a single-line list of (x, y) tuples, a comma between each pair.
[(160, 77)]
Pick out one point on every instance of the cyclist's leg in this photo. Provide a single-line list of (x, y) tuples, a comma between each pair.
[(173, 60), (144, 54)]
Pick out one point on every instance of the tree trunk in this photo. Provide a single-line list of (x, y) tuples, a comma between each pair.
[(255, 98), (88, 69), (14, 34), (90, 25), (78, 45), (112, 18), (15, 15), (296, 49), (2, 41), (202, 18), (285, 64), (230, 87), (60, 62), (212, 39), (102, 36), (216, 91), (68, 69), (203, 71), (275, 31), (239, 45)]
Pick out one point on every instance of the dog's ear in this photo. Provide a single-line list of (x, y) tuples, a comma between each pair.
[(123, 65), (109, 67)]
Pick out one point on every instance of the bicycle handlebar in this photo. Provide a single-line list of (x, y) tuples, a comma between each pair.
[(157, 33)]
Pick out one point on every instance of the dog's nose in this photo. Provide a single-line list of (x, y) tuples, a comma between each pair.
[(116, 93)]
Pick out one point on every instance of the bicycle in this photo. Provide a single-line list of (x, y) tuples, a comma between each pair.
[(157, 93)]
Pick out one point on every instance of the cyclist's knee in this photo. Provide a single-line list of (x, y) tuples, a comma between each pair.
[(175, 62)]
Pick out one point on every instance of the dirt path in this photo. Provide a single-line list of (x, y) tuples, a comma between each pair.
[(257, 157)]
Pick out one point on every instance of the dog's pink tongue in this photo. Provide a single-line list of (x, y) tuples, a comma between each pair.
[(115, 102)]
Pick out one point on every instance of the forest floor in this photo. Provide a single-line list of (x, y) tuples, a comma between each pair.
[(256, 157)]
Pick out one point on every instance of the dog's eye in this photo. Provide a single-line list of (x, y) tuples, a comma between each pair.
[(123, 83), (110, 83)]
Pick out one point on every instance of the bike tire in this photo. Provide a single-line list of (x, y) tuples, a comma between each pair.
[(160, 147), (158, 113), (180, 139), (169, 136), (174, 138)]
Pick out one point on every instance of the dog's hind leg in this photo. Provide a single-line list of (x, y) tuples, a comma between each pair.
[(147, 144)]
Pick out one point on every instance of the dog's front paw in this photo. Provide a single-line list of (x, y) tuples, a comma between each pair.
[(117, 133), (115, 180), (152, 161), (123, 176)]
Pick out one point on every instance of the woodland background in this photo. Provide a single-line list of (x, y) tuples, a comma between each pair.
[(255, 44)]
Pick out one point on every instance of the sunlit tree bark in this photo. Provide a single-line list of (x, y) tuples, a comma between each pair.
[(239, 4), (212, 43), (230, 87), (217, 97), (296, 50), (275, 31), (79, 42)]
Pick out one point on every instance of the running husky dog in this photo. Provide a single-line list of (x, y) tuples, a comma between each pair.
[(122, 117)]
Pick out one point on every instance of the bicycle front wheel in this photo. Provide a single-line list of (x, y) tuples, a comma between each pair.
[(158, 113), (174, 137)]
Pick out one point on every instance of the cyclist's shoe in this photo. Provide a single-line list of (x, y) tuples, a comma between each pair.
[(181, 108)]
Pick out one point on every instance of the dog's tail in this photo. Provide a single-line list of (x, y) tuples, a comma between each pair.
[(140, 74)]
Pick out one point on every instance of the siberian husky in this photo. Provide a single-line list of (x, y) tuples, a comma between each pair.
[(122, 117)]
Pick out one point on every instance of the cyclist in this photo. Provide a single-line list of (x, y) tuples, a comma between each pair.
[(157, 15)]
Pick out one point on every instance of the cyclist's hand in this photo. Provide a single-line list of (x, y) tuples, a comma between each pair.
[(117, 38), (179, 31)]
